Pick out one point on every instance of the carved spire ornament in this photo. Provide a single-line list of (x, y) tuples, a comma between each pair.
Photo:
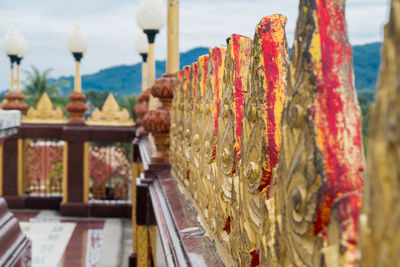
[(321, 156), (110, 114), (380, 220), (44, 112)]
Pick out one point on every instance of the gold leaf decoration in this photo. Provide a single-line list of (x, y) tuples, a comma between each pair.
[(110, 115), (44, 112)]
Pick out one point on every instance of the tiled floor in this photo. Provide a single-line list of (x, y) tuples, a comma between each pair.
[(80, 240)]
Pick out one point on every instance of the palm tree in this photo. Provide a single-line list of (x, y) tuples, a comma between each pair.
[(37, 83)]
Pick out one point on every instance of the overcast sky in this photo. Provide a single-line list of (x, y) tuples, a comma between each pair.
[(111, 28)]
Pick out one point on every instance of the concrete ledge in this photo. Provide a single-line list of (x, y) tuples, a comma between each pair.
[(111, 248)]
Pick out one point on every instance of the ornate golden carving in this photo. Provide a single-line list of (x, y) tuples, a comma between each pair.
[(189, 89), (380, 219), (237, 61), (321, 154), (261, 135), (281, 185), (44, 112), (182, 139), (208, 138), (175, 124), (197, 129), (110, 114)]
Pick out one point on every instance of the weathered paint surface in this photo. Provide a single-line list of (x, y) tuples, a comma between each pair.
[(202, 73), (180, 79), (274, 49), (186, 81), (344, 219), (217, 60), (261, 138), (321, 151), (337, 125), (241, 46), (193, 80)]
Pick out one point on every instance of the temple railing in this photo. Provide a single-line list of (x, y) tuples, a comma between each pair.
[(83, 169), (267, 150)]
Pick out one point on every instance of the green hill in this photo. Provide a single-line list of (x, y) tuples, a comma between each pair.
[(367, 58), (126, 79)]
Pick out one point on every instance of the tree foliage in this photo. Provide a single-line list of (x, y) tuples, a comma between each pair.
[(37, 83), (128, 102)]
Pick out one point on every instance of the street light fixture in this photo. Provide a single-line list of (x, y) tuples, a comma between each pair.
[(77, 45), (11, 47), (151, 17), (15, 47), (19, 96), (142, 47)]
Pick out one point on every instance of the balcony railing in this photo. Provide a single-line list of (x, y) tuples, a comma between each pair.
[(82, 169)]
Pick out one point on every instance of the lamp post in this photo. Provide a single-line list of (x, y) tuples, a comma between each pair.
[(11, 47), (19, 96), (77, 45), (20, 56), (142, 47), (151, 18), (173, 37)]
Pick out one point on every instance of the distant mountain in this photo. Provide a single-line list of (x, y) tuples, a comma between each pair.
[(126, 79), (367, 58)]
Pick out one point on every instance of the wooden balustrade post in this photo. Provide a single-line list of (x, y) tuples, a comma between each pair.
[(12, 188), (76, 135), (76, 179)]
